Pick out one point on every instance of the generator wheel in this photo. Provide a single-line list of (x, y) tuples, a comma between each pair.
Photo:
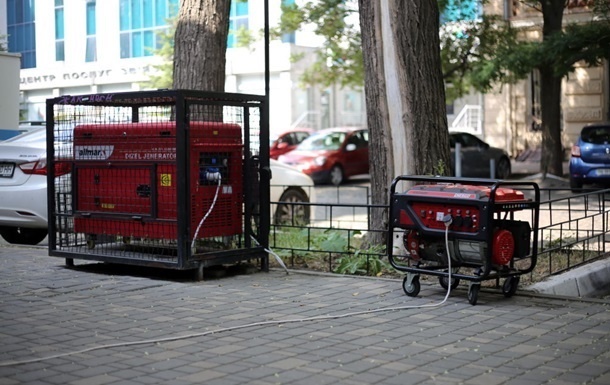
[(411, 290), (445, 280), (473, 294), (509, 288)]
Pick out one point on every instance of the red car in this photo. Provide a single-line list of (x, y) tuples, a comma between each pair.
[(332, 155), (288, 141)]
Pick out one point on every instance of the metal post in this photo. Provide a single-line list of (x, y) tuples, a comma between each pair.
[(264, 158), (266, 5), (458, 159)]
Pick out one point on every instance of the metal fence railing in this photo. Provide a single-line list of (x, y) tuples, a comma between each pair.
[(573, 230)]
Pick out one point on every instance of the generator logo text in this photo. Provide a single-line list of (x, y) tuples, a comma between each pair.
[(93, 152)]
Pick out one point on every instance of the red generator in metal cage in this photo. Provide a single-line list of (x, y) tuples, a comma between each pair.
[(125, 180), (470, 229)]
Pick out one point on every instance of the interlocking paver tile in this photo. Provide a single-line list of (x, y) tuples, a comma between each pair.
[(47, 310)]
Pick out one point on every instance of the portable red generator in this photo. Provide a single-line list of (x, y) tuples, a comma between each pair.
[(471, 221), (125, 180)]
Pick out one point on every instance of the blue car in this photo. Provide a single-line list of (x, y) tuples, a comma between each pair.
[(590, 157)]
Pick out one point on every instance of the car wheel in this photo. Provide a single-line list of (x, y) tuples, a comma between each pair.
[(503, 168), (575, 185), (293, 213), (21, 235), (336, 175)]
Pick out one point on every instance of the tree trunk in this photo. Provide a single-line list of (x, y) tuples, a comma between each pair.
[(381, 151), (199, 58), (550, 99), (405, 95), (550, 109)]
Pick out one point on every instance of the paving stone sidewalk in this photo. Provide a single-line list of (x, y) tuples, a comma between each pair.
[(85, 326)]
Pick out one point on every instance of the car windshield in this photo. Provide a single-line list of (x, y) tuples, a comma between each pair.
[(323, 141), (596, 135)]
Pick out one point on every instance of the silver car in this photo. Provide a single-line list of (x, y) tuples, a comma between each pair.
[(23, 189)]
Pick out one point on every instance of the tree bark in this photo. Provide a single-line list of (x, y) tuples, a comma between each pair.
[(550, 110), (381, 151), (550, 98), (405, 95), (199, 58)]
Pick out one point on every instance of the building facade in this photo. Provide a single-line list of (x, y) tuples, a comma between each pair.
[(511, 113), (73, 47)]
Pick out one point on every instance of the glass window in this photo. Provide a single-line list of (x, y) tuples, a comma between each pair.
[(91, 23), (238, 19), (288, 37), (148, 12), (29, 40), (20, 29), (149, 41), (125, 45), (596, 135), (136, 44), (160, 13), (91, 48), (136, 14), (59, 30), (59, 23), (140, 20), (10, 12), (124, 15)]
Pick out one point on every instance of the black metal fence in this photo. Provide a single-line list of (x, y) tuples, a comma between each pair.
[(573, 230), (172, 179)]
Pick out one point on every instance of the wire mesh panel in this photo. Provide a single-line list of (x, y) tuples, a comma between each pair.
[(163, 178)]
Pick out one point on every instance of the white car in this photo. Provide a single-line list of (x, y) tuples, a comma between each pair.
[(291, 186), (23, 190)]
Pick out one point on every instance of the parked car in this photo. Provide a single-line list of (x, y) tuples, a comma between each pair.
[(23, 189), (288, 141), (291, 186), (476, 156), (332, 155), (590, 156)]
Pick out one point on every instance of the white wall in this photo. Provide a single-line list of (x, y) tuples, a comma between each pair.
[(9, 92), (3, 21)]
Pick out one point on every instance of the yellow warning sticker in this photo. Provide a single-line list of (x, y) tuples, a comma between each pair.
[(166, 180)]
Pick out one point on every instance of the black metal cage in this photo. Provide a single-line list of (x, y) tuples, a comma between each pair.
[(174, 179)]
